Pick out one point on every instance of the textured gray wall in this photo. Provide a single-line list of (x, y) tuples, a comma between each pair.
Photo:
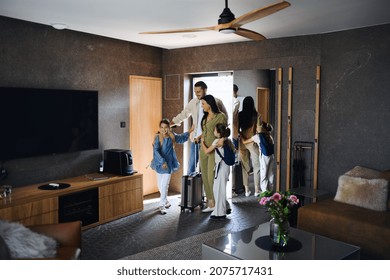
[(354, 104), (34, 55)]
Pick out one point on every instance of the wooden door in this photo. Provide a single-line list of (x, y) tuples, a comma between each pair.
[(263, 103), (145, 115)]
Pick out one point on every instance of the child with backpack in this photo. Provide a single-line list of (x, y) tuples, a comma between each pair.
[(224, 158), (265, 142), (165, 160)]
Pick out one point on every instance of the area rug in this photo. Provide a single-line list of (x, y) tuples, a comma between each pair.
[(186, 249)]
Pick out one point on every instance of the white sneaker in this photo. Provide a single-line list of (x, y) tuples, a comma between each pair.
[(163, 211), (167, 204), (256, 194), (208, 209), (248, 193), (234, 194)]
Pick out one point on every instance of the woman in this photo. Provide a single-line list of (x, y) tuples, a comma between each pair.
[(212, 116), (248, 119)]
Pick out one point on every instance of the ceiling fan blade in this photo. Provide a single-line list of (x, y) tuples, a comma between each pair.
[(181, 30), (250, 34), (259, 13)]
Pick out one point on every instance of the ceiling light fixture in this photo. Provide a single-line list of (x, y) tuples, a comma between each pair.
[(227, 30), (59, 26)]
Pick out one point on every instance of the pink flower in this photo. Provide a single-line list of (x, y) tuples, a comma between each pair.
[(263, 200), (276, 197), (294, 199)]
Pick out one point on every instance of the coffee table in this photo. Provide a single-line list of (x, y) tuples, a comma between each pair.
[(242, 245)]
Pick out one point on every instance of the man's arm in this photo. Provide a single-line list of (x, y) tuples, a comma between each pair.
[(183, 115)]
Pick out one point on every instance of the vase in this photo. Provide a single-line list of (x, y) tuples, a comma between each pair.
[(279, 232)]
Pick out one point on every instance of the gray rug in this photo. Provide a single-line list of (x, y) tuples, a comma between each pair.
[(186, 249)]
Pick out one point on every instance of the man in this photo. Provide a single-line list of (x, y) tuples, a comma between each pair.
[(194, 109)]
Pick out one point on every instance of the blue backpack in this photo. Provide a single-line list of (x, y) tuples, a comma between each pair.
[(266, 145), (229, 155)]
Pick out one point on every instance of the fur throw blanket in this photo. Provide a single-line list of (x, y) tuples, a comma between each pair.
[(23, 243)]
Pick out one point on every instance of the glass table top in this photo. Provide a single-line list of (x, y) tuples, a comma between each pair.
[(242, 245)]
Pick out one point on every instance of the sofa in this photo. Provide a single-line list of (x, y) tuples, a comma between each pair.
[(359, 214), (67, 238)]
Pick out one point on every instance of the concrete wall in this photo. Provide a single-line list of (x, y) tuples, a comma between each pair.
[(354, 103), (34, 55), (354, 111)]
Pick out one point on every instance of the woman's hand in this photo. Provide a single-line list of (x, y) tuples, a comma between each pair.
[(198, 139), (165, 165)]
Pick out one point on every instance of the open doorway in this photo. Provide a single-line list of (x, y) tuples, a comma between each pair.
[(220, 85)]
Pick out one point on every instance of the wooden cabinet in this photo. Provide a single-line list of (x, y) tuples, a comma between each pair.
[(120, 199), (41, 211), (118, 196)]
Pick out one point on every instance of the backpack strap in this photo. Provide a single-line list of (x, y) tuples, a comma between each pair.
[(219, 153)]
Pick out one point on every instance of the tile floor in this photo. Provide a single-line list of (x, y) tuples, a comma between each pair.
[(149, 229)]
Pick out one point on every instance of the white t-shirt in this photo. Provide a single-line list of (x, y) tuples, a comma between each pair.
[(217, 157), (198, 129)]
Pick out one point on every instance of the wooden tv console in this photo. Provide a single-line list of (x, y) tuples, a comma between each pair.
[(118, 196)]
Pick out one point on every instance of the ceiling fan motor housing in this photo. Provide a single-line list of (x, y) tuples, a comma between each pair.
[(226, 16)]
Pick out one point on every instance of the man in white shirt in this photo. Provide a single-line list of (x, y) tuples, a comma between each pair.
[(194, 109)]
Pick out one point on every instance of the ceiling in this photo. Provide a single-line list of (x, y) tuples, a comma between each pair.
[(124, 19)]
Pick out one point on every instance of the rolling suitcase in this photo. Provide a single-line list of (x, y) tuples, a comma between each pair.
[(238, 185), (191, 192)]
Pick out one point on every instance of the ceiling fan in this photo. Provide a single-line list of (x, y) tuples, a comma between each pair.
[(227, 23)]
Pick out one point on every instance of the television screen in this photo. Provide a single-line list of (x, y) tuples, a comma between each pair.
[(35, 122)]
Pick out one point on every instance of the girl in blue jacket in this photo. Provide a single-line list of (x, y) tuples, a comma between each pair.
[(165, 160)]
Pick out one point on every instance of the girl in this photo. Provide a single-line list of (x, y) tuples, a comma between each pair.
[(266, 155), (248, 119), (221, 171), (165, 160), (212, 116)]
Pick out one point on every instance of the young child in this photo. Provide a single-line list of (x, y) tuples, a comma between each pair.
[(221, 171), (265, 142), (165, 160)]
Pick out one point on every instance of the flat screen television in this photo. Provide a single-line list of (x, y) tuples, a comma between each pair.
[(36, 122)]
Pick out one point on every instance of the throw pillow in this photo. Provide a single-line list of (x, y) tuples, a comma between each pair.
[(23, 243), (363, 172), (367, 193)]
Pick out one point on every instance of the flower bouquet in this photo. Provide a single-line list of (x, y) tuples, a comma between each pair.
[(279, 204)]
